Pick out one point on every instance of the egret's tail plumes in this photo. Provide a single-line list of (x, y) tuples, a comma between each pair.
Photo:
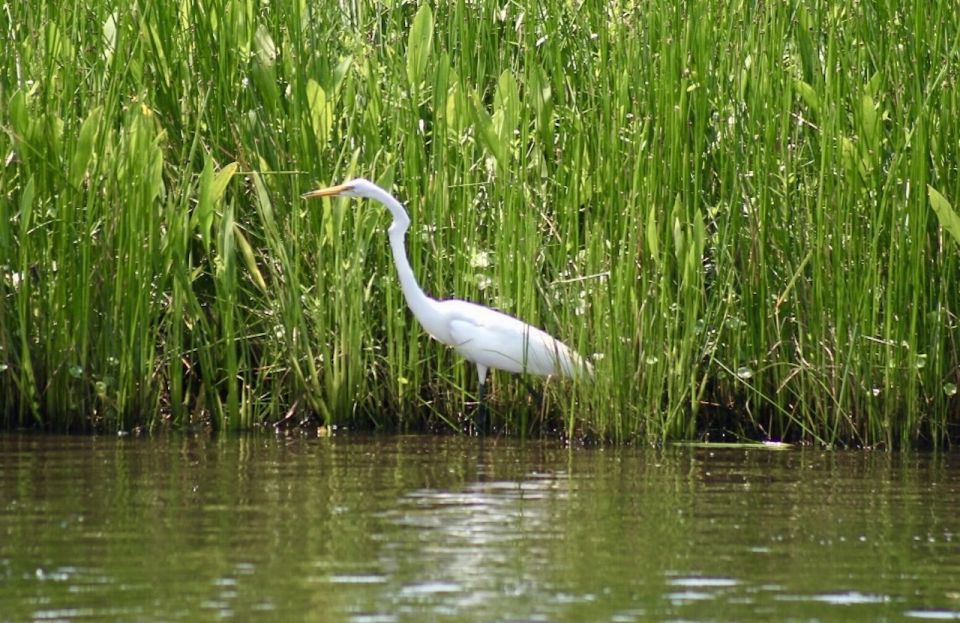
[(580, 368), (568, 362)]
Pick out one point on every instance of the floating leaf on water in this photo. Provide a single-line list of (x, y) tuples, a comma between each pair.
[(744, 373), (950, 389)]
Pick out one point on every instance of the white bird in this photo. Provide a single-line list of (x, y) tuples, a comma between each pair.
[(488, 338)]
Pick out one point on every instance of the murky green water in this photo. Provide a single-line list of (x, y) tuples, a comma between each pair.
[(447, 529)]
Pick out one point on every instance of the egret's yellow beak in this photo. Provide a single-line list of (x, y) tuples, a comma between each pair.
[(332, 191)]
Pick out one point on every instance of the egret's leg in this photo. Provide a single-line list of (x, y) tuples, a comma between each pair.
[(536, 395), (482, 414), (482, 411)]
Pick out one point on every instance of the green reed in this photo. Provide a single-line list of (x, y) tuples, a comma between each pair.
[(725, 205)]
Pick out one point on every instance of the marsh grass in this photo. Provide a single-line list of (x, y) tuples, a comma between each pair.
[(726, 205)]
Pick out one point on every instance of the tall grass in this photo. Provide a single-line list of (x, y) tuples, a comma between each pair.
[(724, 203)]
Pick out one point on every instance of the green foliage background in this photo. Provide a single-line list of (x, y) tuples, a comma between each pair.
[(725, 203)]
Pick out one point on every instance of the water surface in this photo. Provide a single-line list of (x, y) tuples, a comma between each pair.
[(450, 529)]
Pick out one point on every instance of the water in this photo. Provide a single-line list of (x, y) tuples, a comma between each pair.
[(389, 529)]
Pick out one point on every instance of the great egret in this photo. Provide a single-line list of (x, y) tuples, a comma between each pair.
[(488, 338)]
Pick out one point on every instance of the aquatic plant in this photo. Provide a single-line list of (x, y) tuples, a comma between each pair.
[(725, 206)]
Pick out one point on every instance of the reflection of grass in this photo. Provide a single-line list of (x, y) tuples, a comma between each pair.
[(728, 207)]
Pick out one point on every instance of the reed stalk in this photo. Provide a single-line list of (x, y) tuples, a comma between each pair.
[(725, 205)]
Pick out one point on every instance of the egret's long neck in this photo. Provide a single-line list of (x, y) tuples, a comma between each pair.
[(420, 304)]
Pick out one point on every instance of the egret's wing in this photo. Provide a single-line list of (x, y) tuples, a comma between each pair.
[(486, 345), (499, 341)]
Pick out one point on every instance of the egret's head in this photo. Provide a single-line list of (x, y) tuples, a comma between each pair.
[(366, 189), (358, 187)]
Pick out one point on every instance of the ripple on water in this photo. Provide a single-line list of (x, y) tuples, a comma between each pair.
[(360, 578), (397, 529), (934, 615), (704, 582), (849, 598)]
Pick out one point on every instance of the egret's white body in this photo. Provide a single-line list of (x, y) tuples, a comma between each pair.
[(484, 336)]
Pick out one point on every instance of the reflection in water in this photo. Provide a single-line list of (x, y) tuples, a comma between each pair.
[(477, 539), (427, 528)]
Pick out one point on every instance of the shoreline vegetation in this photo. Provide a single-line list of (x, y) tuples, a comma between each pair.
[(745, 215)]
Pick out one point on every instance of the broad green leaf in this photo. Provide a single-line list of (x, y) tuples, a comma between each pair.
[(340, 72), (51, 134), (808, 95), (679, 240), (653, 236), (506, 108), (871, 130), (212, 189), (808, 56), (109, 37), (221, 179), (441, 78), (457, 111), (266, 48), (53, 40), (679, 243), (265, 208), (263, 69), (19, 118), (203, 215), (699, 233), (142, 159), (224, 270), (249, 258), (850, 156), (213, 186), (26, 210), (84, 150), (321, 113), (419, 45), (543, 101), (486, 131), (945, 213), (873, 86), (6, 242)]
